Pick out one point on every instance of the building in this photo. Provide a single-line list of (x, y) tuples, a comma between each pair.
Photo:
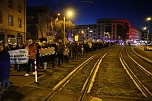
[(106, 29), (86, 32), (13, 21), (113, 29), (134, 35), (38, 22)]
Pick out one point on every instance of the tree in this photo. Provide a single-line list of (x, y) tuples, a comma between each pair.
[(59, 27)]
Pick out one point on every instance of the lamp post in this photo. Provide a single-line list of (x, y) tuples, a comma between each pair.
[(69, 14), (145, 28), (64, 30), (148, 19)]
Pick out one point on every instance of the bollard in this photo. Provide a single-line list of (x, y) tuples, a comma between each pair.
[(35, 67)]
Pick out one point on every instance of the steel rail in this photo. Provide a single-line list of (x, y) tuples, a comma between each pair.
[(134, 78), (63, 82), (142, 57), (140, 66), (91, 78)]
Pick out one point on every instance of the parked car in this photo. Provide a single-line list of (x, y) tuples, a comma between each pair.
[(148, 47)]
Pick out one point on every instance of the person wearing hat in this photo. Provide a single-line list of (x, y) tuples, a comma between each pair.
[(4, 68)]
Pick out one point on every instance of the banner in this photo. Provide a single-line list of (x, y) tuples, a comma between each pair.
[(47, 51), (19, 56)]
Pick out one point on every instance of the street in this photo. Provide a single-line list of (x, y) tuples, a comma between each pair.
[(102, 75)]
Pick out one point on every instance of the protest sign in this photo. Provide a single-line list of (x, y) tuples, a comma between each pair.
[(47, 51), (19, 56)]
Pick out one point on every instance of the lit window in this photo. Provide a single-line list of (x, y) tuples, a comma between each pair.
[(1, 17), (10, 3), (10, 20), (19, 23)]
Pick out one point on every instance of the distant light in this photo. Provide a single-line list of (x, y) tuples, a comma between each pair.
[(82, 31), (88, 27), (148, 19), (91, 31), (70, 13), (144, 28), (76, 37), (58, 14), (135, 41)]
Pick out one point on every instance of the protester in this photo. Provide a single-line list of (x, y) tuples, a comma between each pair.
[(44, 56), (52, 57), (4, 68), (60, 49), (66, 54), (32, 56)]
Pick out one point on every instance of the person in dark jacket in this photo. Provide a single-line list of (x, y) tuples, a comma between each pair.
[(52, 57), (60, 49), (4, 67)]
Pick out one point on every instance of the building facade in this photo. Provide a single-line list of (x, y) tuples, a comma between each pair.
[(113, 29), (39, 22), (106, 29), (86, 32), (13, 21), (134, 35)]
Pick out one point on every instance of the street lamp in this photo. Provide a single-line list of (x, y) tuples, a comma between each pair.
[(69, 14), (145, 28), (147, 19)]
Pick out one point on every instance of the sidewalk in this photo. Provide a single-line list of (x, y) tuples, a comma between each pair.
[(18, 80)]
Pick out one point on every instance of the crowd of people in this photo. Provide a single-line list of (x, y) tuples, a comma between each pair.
[(59, 54)]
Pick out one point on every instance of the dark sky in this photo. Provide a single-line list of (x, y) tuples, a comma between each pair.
[(87, 12)]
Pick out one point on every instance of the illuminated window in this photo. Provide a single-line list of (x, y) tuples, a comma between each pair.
[(10, 20), (19, 23), (1, 20)]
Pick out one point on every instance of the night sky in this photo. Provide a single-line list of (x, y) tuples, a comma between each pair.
[(87, 11)]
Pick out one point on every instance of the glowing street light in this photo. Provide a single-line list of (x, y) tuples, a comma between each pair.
[(58, 14), (144, 28), (69, 14), (147, 28), (148, 19)]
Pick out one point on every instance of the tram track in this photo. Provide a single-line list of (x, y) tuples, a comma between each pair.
[(133, 73), (89, 82), (141, 56)]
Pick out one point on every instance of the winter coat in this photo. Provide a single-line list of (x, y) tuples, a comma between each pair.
[(31, 51), (4, 65)]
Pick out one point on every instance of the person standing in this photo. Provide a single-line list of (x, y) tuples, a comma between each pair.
[(60, 49), (66, 54), (52, 57), (4, 68), (32, 56)]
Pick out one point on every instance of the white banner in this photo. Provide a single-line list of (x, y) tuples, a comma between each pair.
[(47, 51), (19, 56)]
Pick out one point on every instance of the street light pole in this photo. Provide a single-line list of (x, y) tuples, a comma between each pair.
[(147, 35), (64, 30)]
